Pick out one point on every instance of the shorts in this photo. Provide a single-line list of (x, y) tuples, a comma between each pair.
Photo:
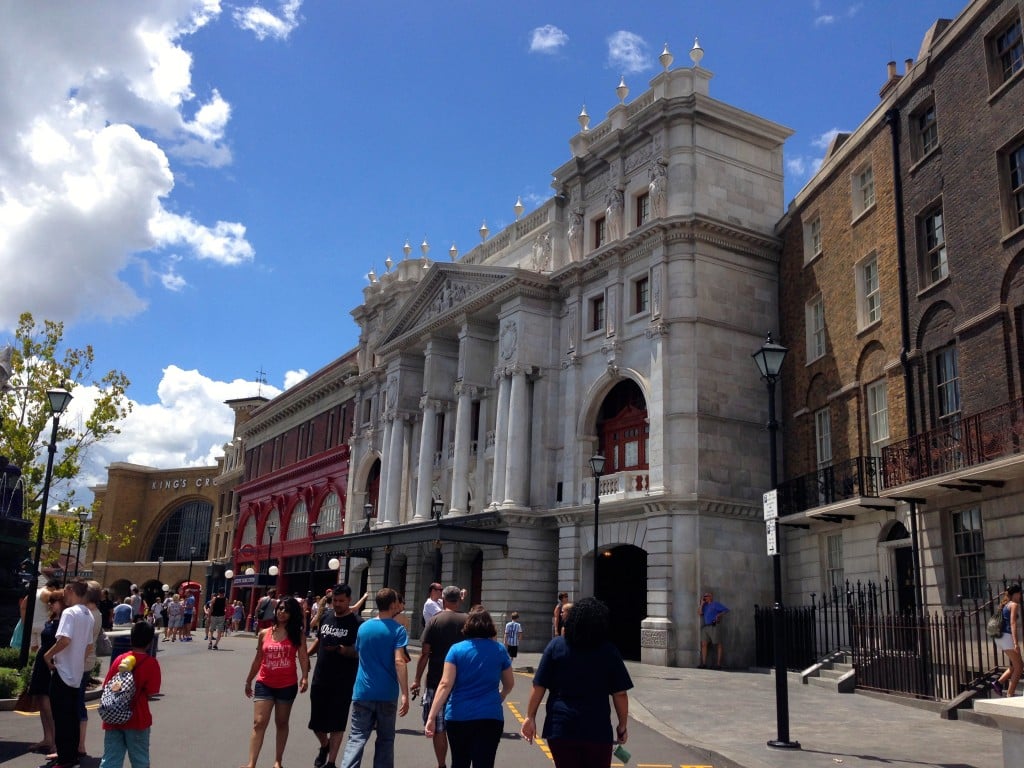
[(328, 708), (513, 651), (175, 622), (261, 692), (439, 721), (216, 623), (709, 634), (1004, 642)]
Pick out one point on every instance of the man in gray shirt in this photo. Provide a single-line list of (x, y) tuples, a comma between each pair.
[(442, 632)]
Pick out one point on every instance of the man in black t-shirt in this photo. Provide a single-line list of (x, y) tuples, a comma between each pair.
[(442, 632), (218, 607), (106, 608), (337, 662)]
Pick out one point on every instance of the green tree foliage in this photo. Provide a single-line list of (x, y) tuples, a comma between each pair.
[(41, 362)]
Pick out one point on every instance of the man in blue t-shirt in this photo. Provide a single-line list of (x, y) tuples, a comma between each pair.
[(710, 612), (382, 676)]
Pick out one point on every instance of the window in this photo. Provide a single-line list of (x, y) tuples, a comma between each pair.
[(969, 552), (863, 191), (877, 400), (641, 295), (933, 235), (298, 525), (643, 209), (330, 514), (823, 436), (815, 312), (869, 297), (812, 238), (367, 410), (597, 313), (1015, 187), (834, 563), (1006, 53), (947, 383), (925, 131), (600, 232)]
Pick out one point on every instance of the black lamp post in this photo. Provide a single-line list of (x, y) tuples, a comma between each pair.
[(436, 513), (597, 468), (159, 567), (272, 569), (59, 399), (191, 557), (82, 517), (769, 362), (67, 559), (367, 514)]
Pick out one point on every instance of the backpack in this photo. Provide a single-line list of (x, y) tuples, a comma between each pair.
[(117, 698), (994, 626)]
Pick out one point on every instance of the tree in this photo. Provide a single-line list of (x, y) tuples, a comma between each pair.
[(40, 363)]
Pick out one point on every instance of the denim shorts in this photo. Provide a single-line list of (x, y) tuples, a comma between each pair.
[(261, 692)]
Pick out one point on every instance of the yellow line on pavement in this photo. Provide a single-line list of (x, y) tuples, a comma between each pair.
[(520, 718)]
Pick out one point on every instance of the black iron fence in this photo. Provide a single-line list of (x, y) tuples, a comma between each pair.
[(859, 476), (925, 654)]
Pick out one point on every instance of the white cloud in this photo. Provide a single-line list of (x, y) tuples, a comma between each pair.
[(824, 140), (291, 378), (796, 166), (824, 20), (827, 19), (627, 52), (188, 427), (86, 133), (264, 24), (547, 39)]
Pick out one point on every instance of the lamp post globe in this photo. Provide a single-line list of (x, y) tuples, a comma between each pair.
[(769, 359), (58, 400)]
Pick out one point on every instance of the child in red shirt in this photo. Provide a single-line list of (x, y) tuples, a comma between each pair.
[(133, 736)]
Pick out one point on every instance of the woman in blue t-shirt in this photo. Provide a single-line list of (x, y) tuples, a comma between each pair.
[(473, 716), (1009, 641), (582, 670)]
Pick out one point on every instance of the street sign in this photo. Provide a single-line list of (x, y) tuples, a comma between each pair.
[(247, 551), (771, 505), (771, 527)]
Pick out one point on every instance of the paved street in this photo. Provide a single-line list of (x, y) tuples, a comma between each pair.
[(202, 696)]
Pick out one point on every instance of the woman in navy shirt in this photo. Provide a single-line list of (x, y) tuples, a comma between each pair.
[(582, 670), (469, 685), (1009, 641)]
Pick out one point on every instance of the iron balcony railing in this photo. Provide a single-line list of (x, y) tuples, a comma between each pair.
[(859, 476)]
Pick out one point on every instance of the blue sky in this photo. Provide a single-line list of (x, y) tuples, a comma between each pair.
[(198, 188)]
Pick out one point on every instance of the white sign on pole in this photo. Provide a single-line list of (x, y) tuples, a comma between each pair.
[(771, 527), (771, 505)]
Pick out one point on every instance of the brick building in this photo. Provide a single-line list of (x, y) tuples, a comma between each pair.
[(902, 394)]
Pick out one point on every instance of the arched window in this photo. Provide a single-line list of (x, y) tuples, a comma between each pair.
[(188, 526), (330, 514), (298, 526), (622, 428), (249, 532)]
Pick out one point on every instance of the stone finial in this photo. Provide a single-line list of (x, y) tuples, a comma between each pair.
[(622, 90), (407, 249), (518, 208), (484, 231), (696, 53), (453, 252), (584, 119), (666, 58)]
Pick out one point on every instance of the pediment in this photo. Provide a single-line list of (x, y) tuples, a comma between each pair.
[(449, 290)]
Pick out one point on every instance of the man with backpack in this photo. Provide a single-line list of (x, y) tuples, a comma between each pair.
[(265, 609), (131, 734)]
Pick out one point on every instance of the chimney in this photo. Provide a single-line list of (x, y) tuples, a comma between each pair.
[(893, 78), (907, 64)]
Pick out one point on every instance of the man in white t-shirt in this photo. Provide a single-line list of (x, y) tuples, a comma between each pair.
[(42, 610), (75, 635), (433, 604)]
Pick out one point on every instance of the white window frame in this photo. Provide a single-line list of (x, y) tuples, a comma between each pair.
[(925, 130), (968, 529), (823, 436), (863, 191), (876, 400), (835, 577), (1007, 64), (1013, 183), (934, 257), (946, 368), (812, 239), (869, 294), (815, 319)]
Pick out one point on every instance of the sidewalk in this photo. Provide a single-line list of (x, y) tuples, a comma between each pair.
[(731, 714)]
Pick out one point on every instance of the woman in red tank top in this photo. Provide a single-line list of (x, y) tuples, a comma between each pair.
[(277, 682)]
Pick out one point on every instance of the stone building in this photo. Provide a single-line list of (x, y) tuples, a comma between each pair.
[(902, 395), (616, 319)]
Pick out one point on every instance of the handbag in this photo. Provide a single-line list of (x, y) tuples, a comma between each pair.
[(16, 636), (103, 645), (994, 626)]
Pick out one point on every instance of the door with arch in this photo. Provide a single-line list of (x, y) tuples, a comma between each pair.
[(621, 584)]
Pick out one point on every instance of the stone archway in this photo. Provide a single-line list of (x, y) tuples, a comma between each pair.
[(622, 585)]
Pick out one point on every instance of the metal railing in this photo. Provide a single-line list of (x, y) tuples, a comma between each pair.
[(937, 654), (962, 442), (859, 476)]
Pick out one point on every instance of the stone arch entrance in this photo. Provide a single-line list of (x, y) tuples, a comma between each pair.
[(622, 585)]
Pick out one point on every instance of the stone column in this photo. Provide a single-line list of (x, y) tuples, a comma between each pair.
[(460, 464), (396, 449), (382, 494), (425, 468), (517, 463), (500, 442)]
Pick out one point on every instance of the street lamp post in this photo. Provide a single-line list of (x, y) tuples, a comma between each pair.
[(314, 529), (67, 560), (769, 362), (273, 570), (437, 512), (59, 399), (82, 517), (597, 468), (367, 514), (159, 566), (191, 557)]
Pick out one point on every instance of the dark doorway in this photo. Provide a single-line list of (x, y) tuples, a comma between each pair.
[(621, 584), (476, 579), (905, 579)]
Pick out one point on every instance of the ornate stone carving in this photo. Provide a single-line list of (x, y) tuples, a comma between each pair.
[(571, 327), (655, 330), (450, 294), (653, 638), (638, 158), (614, 205), (612, 350), (575, 235), (509, 340), (595, 185), (656, 292), (392, 391), (612, 314), (658, 188), (541, 260)]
